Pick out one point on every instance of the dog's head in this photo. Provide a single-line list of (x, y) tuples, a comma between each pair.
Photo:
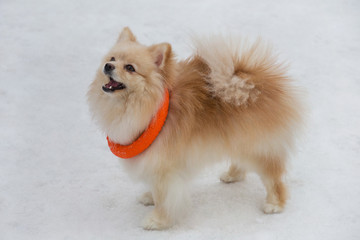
[(129, 84), (131, 67)]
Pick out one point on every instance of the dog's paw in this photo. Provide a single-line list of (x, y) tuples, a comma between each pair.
[(227, 178), (270, 208), (146, 199), (154, 222)]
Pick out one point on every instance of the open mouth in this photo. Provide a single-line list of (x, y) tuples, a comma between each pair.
[(113, 86)]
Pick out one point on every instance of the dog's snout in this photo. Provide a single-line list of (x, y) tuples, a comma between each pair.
[(108, 67)]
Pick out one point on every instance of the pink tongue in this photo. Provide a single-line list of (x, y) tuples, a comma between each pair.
[(113, 84)]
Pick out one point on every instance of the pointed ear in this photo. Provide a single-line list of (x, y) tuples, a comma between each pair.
[(126, 35), (160, 53)]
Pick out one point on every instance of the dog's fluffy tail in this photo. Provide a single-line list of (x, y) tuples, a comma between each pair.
[(236, 66)]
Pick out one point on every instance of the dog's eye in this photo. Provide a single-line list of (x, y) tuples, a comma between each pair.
[(129, 68), (112, 59)]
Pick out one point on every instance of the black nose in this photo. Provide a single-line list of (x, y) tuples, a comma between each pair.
[(108, 67)]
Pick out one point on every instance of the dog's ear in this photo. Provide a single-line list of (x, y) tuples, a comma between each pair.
[(126, 35), (160, 53)]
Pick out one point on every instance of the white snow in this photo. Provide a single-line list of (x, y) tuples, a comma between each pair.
[(58, 179)]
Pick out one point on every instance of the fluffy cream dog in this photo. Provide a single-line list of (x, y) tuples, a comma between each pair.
[(229, 100)]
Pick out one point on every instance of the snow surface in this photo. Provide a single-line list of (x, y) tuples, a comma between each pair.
[(58, 180)]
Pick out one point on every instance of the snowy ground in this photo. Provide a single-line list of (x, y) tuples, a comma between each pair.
[(58, 180)]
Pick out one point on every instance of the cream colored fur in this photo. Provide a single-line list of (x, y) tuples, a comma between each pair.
[(225, 54), (227, 101)]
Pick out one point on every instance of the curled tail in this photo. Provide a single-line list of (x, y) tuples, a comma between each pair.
[(237, 68)]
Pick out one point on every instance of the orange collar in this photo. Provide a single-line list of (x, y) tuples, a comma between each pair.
[(146, 138)]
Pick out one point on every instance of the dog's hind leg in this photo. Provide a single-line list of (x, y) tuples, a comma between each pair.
[(271, 173), (234, 174)]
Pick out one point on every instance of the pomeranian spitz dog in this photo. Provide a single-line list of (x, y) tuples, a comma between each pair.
[(166, 119)]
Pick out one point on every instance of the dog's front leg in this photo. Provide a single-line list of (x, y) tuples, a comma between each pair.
[(171, 200)]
